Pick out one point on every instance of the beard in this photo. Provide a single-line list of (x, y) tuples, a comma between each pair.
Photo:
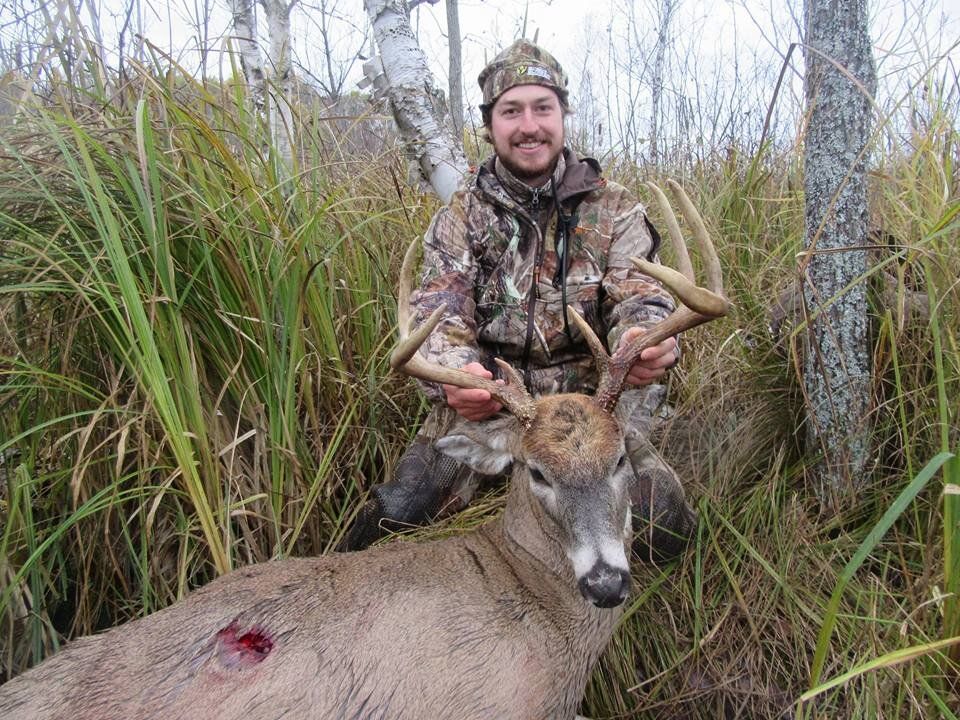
[(530, 170), (530, 173)]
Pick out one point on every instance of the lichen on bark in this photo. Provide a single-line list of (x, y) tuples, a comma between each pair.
[(839, 83)]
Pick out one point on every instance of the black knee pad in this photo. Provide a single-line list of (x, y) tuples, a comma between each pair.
[(420, 489), (663, 521)]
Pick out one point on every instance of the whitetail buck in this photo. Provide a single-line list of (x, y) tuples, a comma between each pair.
[(502, 622)]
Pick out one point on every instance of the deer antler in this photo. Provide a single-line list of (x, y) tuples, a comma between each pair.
[(700, 304), (405, 358)]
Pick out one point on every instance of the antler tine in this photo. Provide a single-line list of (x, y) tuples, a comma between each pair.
[(600, 356), (405, 358), (711, 262), (673, 231), (709, 300), (700, 304)]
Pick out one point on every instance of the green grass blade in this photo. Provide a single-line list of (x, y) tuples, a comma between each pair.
[(866, 547), (886, 660)]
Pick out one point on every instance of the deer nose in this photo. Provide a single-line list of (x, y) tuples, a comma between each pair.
[(605, 586)]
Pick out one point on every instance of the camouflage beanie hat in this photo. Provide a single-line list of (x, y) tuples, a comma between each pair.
[(523, 63)]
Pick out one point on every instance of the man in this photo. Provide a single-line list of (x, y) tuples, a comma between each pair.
[(535, 229)]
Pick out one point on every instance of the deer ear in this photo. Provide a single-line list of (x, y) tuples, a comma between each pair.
[(484, 446)]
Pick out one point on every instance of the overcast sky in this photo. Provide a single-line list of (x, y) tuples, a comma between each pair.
[(572, 29)]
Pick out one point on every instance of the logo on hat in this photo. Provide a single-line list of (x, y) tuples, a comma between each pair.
[(540, 72)]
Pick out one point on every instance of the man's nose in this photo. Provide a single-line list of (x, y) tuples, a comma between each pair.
[(528, 122)]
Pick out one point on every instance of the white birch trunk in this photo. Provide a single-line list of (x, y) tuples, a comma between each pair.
[(245, 36), (837, 374), (410, 89), (281, 117)]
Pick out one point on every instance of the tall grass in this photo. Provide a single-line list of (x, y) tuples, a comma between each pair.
[(193, 344), (193, 348)]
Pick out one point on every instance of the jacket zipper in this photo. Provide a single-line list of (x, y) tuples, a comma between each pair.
[(534, 294)]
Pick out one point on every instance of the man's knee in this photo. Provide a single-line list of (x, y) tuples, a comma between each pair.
[(420, 487), (663, 521), (425, 485)]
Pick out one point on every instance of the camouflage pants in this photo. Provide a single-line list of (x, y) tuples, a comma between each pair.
[(428, 485)]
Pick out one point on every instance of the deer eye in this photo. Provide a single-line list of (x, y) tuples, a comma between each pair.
[(622, 462)]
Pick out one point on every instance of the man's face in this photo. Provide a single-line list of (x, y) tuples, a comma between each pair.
[(526, 125)]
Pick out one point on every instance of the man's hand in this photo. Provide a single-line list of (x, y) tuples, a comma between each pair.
[(653, 362), (473, 404)]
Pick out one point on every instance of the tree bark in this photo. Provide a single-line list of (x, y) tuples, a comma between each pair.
[(409, 87), (281, 117), (455, 82), (839, 82)]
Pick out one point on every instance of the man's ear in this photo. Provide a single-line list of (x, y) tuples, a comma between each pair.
[(486, 447)]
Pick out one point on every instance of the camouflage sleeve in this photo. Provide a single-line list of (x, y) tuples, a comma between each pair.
[(630, 297), (447, 276)]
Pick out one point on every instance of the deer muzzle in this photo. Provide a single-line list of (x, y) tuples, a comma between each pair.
[(604, 585)]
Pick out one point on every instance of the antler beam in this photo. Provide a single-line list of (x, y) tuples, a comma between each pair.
[(405, 358), (700, 304)]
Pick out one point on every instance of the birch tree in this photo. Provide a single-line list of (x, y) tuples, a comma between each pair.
[(403, 77), (839, 82), (281, 77), (276, 73), (245, 36)]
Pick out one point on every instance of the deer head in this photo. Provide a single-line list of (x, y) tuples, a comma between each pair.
[(569, 447)]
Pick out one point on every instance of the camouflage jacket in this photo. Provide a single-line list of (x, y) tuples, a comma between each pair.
[(493, 255)]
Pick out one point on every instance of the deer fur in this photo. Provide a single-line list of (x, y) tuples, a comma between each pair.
[(490, 624)]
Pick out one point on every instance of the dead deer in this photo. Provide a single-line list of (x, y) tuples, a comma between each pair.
[(502, 622)]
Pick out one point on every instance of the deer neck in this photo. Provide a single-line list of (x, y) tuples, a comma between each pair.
[(530, 536), (527, 540)]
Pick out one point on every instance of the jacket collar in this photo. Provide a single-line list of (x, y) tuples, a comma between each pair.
[(523, 193)]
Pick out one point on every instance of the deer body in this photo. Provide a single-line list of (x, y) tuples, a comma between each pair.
[(487, 651), (486, 625)]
